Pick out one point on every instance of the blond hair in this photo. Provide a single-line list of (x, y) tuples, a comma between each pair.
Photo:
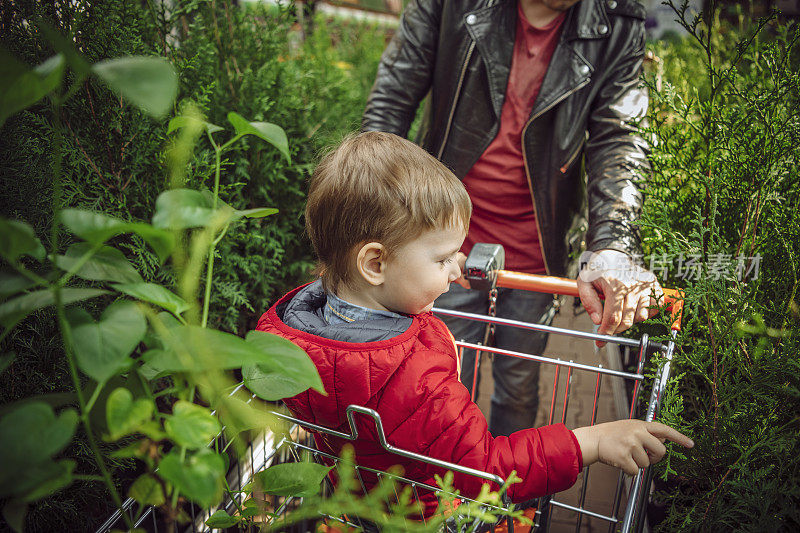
[(377, 187)]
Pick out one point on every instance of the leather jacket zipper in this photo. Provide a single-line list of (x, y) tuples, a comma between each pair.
[(527, 170), (572, 158), (455, 100), (458, 93)]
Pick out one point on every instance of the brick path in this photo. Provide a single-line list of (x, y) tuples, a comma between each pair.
[(603, 479)]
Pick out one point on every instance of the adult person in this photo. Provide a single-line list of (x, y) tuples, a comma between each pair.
[(524, 98)]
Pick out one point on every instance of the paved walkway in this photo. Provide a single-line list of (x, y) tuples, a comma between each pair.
[(602, 480)]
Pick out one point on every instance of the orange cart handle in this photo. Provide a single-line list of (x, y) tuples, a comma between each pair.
[(673, 298)]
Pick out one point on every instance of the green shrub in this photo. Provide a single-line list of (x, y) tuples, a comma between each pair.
[(725, 197)]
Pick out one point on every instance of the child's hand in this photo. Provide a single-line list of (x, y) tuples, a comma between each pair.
[(627, 444)]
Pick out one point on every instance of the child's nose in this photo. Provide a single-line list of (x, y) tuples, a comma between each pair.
[(455, 271)]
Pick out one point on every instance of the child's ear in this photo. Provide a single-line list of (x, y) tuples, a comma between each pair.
[(370, 262)]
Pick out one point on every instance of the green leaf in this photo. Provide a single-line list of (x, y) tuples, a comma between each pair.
[(289, 371), (66, 46), (182, 208), (103, 348), (43, 479), (272, 133), (30, 435), (251, 509), (21, 87), (124, 415), (221, 520), (106, 264), (97, 228), (149, 83), (239, 415), (191, 426), (185, 121), (5, 360), (197, 349), (147, 490), (199, 477), (18, 239), (257, 212), (14, 512), (154, 294), (15, 310), (293, 479), (12, 283), (130, 451)]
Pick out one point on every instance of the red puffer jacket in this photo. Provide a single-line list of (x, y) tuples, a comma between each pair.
[(411, 380)]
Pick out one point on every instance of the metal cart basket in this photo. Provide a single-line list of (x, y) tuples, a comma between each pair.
[(297, 445)]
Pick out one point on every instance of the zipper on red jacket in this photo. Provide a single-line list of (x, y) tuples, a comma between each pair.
[(527, 170)]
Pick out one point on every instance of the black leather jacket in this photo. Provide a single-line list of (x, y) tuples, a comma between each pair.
[(460, 52)]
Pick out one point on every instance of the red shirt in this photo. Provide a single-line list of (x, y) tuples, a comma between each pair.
[(502, 201)]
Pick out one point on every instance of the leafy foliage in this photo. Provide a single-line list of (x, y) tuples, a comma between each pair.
[(725, 193)]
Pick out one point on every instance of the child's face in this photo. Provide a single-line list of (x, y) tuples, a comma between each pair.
[(421, 270)]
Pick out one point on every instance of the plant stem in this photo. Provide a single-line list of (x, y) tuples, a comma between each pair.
[(66, 332), (213, 246)]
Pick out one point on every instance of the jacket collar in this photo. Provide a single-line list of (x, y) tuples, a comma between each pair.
[(568, 68)]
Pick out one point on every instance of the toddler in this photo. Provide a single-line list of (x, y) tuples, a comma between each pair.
[(386, 220)]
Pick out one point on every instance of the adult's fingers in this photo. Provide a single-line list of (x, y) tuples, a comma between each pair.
[(629, 309), (662, 431), (613, 309), (590, 300)]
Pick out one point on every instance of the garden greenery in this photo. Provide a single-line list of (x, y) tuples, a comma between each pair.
[(134, 246), (722, 220)]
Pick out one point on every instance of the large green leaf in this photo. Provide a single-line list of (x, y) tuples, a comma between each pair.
[(149, 83), (33, 433), (29, 436), (182, 208), (196, 349), (18, 308), (106, 264), (21, 87), (17, 239), (103, 348), (272, 133), (147, 490), (97, 228), (124, 415), (289, 371), (191, 426), (292, 479), (199, 477), (154, 294), (12, 283), (5, 360), (42, 479)]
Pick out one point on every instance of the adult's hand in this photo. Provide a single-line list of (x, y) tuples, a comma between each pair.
[(626, 288)]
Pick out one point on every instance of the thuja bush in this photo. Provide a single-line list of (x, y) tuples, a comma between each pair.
[(721, 220)]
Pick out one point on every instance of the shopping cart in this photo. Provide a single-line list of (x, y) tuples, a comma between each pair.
[(297, 444)]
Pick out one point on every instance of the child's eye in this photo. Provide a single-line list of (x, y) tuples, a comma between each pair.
[(446, 261)]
